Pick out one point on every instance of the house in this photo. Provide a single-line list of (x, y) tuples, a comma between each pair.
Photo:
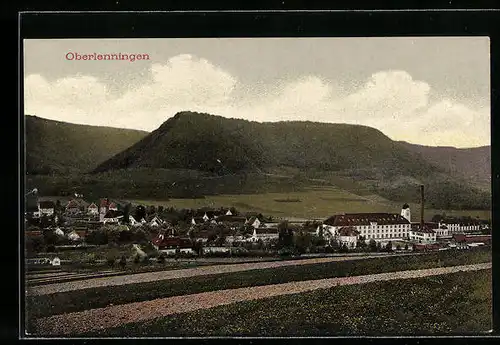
[(73, 207), (422, 234), (456, 226), (377, 226), (104, 206), (471, 239), (426, 246), (442, 231), (32, 211), (155, 221), (76, 235), (229, 213), (348, 236), (112, 217), (93, 209), (169, 244), (207, 250), (59, 232), (46, 208), (56, 261), (133, 222), (112, 206), (264, 234), (237, 237), (254, 222), (205, 217)]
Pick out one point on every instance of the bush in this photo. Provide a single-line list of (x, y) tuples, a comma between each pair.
[(161, 259), (123, 261), (110, 261)]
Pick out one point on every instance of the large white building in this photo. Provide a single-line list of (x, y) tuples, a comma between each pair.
[(423, 234), (459, 228), (377, 226)]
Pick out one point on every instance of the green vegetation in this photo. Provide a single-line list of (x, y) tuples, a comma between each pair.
[(195, 155), (59, 147), (315, 203), (46, 305), (472, 163), (458, 303)]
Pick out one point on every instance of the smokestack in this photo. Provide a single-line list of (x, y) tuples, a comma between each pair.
[(421, 206)]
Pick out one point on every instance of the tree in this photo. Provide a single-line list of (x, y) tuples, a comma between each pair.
[(58, 207), (302, 242), (398, 247), (123, 262), (198, 247), (361, 242), (437, 218), (285, 235), (372, 245), (388, 246), (406, 246), (140, 212), (139, 236), (160, 209), (126, 213), (344, 248), (97, 237)]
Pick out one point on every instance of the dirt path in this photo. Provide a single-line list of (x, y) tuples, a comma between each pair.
[(181, 273), (102, 318)]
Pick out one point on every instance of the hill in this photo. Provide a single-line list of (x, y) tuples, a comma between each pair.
[(299, 153), (60, 147), (220, 145), (472, 163)]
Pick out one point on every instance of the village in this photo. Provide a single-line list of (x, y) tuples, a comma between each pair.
[(206, 232)]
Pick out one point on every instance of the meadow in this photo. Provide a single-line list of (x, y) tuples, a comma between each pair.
[(78, 300), (457, 303), (312, 203)]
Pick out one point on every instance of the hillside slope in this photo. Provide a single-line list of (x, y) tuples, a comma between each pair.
[(217, 144), (60, 147), (471, 163)]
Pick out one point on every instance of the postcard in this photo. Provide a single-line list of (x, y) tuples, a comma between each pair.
[(257, 187)]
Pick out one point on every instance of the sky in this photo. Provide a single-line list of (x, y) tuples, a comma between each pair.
[(431, 91)]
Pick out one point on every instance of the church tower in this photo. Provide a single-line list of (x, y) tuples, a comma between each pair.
[(405, 212)]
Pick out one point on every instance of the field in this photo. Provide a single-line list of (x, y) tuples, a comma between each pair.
[(320, 202), (79, 300), (458, 303)]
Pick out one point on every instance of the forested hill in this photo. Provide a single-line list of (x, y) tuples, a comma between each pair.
[(470, 163), (217, 144), (60, 147)]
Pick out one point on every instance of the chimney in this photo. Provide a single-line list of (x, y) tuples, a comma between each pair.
[(421, 206)]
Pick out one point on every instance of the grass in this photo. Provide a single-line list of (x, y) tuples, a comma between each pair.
[(320, 202), (458, 303), (46, 305)]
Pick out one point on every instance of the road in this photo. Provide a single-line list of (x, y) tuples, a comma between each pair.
[(114, 316)]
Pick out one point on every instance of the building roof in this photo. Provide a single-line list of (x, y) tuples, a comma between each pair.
[(405, 206), (352, 219), (426, 228), (93, 205), (113, 214), (267, 231), (163, 240), (231, 219), (471, 238), (73, 204), (46, 204)]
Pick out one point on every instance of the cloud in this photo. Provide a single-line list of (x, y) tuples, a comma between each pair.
[(391, 101)]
